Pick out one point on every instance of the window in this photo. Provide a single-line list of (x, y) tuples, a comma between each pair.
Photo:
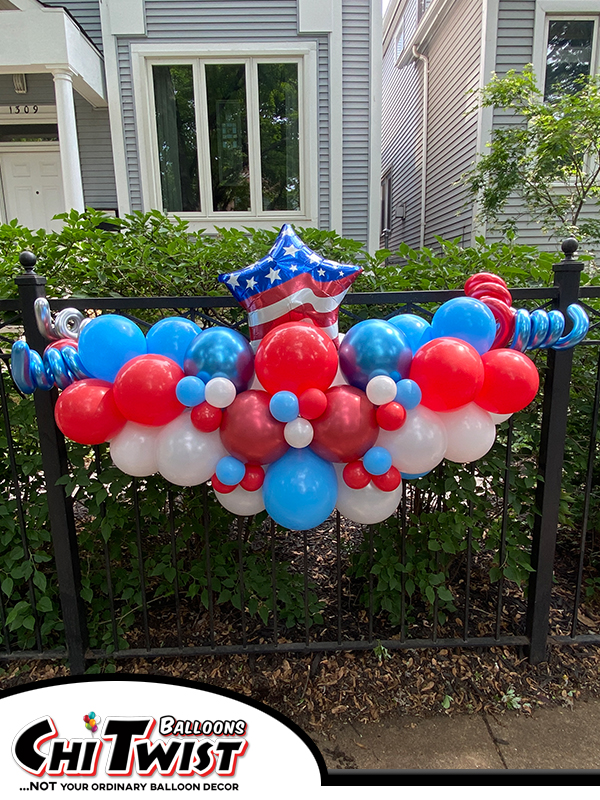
[(569, 54), (386, 207), (400, 37)]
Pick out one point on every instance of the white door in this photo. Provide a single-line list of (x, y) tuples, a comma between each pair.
[(32, 183)]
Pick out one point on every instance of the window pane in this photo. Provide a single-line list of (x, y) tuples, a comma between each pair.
[(279, 144), (176, 128), (228, 133), (568, 56)]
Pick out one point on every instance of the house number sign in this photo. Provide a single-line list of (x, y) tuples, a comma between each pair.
[(27, 112)]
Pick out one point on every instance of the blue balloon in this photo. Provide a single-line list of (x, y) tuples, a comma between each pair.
[(20, 367), (407, 477), (413, 327), (107, 343), (468, 319), (300, 490), (230, 471), (374, 347), (221, 353), (190, 391), (171, 337), (284, 406), (377, 460), (408, 394)]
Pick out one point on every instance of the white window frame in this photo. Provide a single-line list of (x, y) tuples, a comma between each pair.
[(144, 56), (400, 32)]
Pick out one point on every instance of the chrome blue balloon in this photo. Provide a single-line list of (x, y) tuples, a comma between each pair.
[(467, 319), (408, 394), (581, 325), (20, 367), (377, 460), (221, 353), (300, 490), (41, 377), (284, 406), (540, 325), (56, 366), (413, 327), (107, 343), (171, 337), (374, 347), (190, 391), (73, 362), (522, 331), (230, 470), (557, 326)]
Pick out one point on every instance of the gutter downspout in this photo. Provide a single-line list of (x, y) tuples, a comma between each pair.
[(424, 123)]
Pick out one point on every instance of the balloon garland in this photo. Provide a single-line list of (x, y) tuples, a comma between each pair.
[(303, 420)]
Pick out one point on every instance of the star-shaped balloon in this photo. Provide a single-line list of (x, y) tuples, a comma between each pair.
[(291, 283)]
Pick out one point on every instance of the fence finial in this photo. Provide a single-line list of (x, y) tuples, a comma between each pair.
[(28, 260), (569, 248)]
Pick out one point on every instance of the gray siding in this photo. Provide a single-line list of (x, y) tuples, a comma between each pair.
[(86, 13), (95, 154), (40, 89)]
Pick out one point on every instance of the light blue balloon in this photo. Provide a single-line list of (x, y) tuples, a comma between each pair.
[(190, 391), (221, 353), (468, 319), (408, 394), (300, 490), (284, 406), (377, 460), (413, 327), (107, 343), (171, 337), (374, 347), (230, 471)]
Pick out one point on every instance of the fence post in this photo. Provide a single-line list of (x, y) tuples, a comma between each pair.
[(557, 389), (54, 461)]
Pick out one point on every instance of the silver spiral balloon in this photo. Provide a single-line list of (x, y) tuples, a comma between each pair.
[(67, 324)]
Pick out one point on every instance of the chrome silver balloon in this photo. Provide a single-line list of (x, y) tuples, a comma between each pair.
[(68, 323), (43, 317), (581, 325)]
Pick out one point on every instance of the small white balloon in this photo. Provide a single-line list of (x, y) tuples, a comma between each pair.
[(134, 449), (365, 506), (419, 445), (381, 389), (499, 418), (242, 502), (187, 456), (298, 433), (471, 433), (220, 392)]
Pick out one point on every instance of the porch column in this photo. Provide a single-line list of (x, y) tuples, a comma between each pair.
[(67, 135)]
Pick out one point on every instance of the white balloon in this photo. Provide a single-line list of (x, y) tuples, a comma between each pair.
[(242, 502), (499, 418), (419, 445), (298, 433), (381, 389), (471, 433), (187, 456), (365, 506), (220, 392), (134, 449)]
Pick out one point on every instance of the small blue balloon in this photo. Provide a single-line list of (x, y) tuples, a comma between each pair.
[(377, 460), (221, 353), (107, 343), (374, 347), (408, 394), (407, 477), (468, 319), (190, 391), (284, 406), (171, 337), (300, 490), (413, 327), (230, 471)]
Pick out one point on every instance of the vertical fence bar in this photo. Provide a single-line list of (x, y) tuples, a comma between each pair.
[(403, 562), (138, 532), (469, 565), (504, 529), (55, 465), (240, 529), (109, 585), (209, 590), (306, 609), (173, 536), (274, 582), (370, 583), (557, 386), (338, 539)]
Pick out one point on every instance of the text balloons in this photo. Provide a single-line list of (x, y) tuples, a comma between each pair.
[(449, 373), (250, 432), (187, 456), (146, 390), (468, 319), (510, 382), (171, 337), (107, 343), (367, 505), (419, 445), (374, 347), (300, 490), (348, 428), (133, 450), (221, 353), (471, 433), (86, 412)]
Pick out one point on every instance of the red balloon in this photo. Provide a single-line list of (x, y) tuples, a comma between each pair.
[(348, 428), (223, 488), (86, 718), (389, 481), (254, 478), (86, 412), (206, 418), (510, 383), (355, 475), (250, 432), (294, 357), (391, 416), (313, 403), (145, 389), (449, 373)]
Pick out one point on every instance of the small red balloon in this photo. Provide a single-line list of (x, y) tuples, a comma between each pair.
[(294, 357), (249, 431), (206, 418), (510, 383), (391, 416), (86, 718), (86, 412), (313, 403), (355, 475), (223, 488), (389, 481), (254, 478), (145, 389), (449, 373), (348, 428)]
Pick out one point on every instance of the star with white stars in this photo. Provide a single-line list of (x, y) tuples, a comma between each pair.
[(232, 280), (293, 267), (320, 273), (273, 275), (290, 250), (250, 283)]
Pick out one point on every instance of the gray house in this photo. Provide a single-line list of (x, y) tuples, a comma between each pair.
[(436, 53), (224, 112)]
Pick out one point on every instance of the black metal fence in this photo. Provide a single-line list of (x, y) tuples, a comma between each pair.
[(136, 567)]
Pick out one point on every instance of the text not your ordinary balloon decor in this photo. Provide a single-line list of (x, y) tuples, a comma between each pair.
[(305, 420)]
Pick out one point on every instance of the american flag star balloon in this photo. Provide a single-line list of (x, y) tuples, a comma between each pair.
[(291, 283)]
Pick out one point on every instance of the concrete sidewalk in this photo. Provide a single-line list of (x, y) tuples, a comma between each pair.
[(552, 738)]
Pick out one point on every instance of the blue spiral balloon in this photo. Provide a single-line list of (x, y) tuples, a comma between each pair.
[(544, 329)]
